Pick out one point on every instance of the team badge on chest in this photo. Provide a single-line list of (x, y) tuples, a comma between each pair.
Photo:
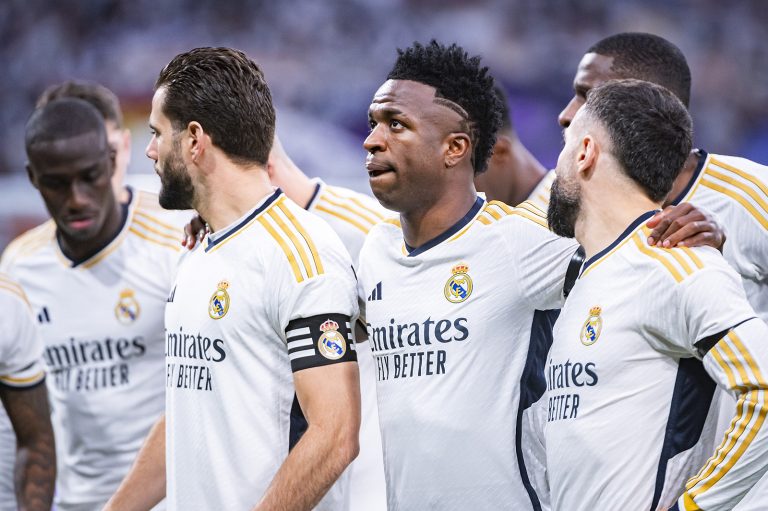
[(331, 344), (592, 327), (459, 286), (219, 303), (127, 308)]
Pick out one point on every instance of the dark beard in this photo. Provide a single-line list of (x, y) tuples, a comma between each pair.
[(563, 210), (176, 189)]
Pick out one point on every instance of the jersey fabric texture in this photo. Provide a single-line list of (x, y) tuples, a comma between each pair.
[(457, 330), (101, 322), (21, 367), (352, 215), (631, 377), (271, 294)]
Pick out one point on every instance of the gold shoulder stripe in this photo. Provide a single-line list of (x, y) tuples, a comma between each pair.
[(483, 220), (533, 218), (656, 255), (156, 221), (348, 207), (394, 221), (345, 218), (692, 254), (379, 215), (741, 186), (161, 242), (156, 232), (294, 240), (741, 174), (533, 207), (748, 357), (527, 206), (491, 211), (506, 208), (738, 198), (287, 251), (31, 240), (307, 238), (677, 254), (14, 290)]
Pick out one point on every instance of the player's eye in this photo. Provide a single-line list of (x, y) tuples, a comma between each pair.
[(371, 124), (395, 124)]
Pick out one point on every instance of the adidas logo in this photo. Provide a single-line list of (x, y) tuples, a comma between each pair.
[(376, 293), (43, 316)]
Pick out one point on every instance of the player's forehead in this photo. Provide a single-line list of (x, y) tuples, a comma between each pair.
[(594, 69), (157, 117), (84, 150), (406, 96)]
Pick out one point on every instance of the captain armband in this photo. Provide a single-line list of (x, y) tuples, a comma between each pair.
[(320, 340)]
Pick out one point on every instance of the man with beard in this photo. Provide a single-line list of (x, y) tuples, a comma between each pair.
[(735, 189), (454, 292), (259, 319), (640, 354), (97, 276)]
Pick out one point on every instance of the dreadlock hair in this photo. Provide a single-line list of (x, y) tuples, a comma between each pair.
[(647, 57), (459, 78)]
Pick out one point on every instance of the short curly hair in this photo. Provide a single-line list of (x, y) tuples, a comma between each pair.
[(459, 78), (647, 57)]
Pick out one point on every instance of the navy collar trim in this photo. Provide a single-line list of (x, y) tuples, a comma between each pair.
[(312, 199), (476, 207), (268, 202), (627, 232), (696, 173), (124, 212)]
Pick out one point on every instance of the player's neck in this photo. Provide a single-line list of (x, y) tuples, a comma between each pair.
[(430, 221), (230, 194), (685, 176), (602, 220), (527, 173)]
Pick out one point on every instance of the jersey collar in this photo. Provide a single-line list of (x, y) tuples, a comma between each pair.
[(627, 232), (476, 207), (312, 200), (217, 237), (696, 173)]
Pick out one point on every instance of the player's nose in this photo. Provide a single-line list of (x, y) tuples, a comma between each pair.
[(375, 140), (566, 116)]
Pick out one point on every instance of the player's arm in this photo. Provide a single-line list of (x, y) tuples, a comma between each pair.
[(35, 470), (685, 225), (328, 390), (144, 485), (738, 361)]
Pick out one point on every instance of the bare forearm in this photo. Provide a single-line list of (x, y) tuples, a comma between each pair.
[(144, 486), (310, 469), (35, 474)]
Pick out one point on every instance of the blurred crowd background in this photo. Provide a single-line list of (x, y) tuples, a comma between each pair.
[(324, 61)]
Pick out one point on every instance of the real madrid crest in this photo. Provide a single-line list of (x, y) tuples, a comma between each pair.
[(459, 286), (219, 303), (331, 344), (592, 327), (127, 308)]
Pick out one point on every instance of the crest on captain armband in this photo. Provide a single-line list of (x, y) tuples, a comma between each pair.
[(219, 303), (331, 344), (459, 286), (592, 327), (127, 309)]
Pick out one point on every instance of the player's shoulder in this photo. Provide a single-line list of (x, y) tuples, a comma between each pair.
[(11, 293), (303, 241), (348, 208), (738, 166), (737, 177), (29, 244), (539, 197), (150, 224)]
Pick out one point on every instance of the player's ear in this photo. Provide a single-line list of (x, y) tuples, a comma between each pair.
[(586, 156), (458, 146), (31, 175), (197, 140)]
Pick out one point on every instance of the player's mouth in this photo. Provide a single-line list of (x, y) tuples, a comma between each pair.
[(376, 169), (80, 222)]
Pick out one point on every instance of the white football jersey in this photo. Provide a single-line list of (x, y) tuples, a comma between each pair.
[(352, 215), (628, 394), (272, 294), (101, 321), (459, 336), (539, 197), (21, 366)]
